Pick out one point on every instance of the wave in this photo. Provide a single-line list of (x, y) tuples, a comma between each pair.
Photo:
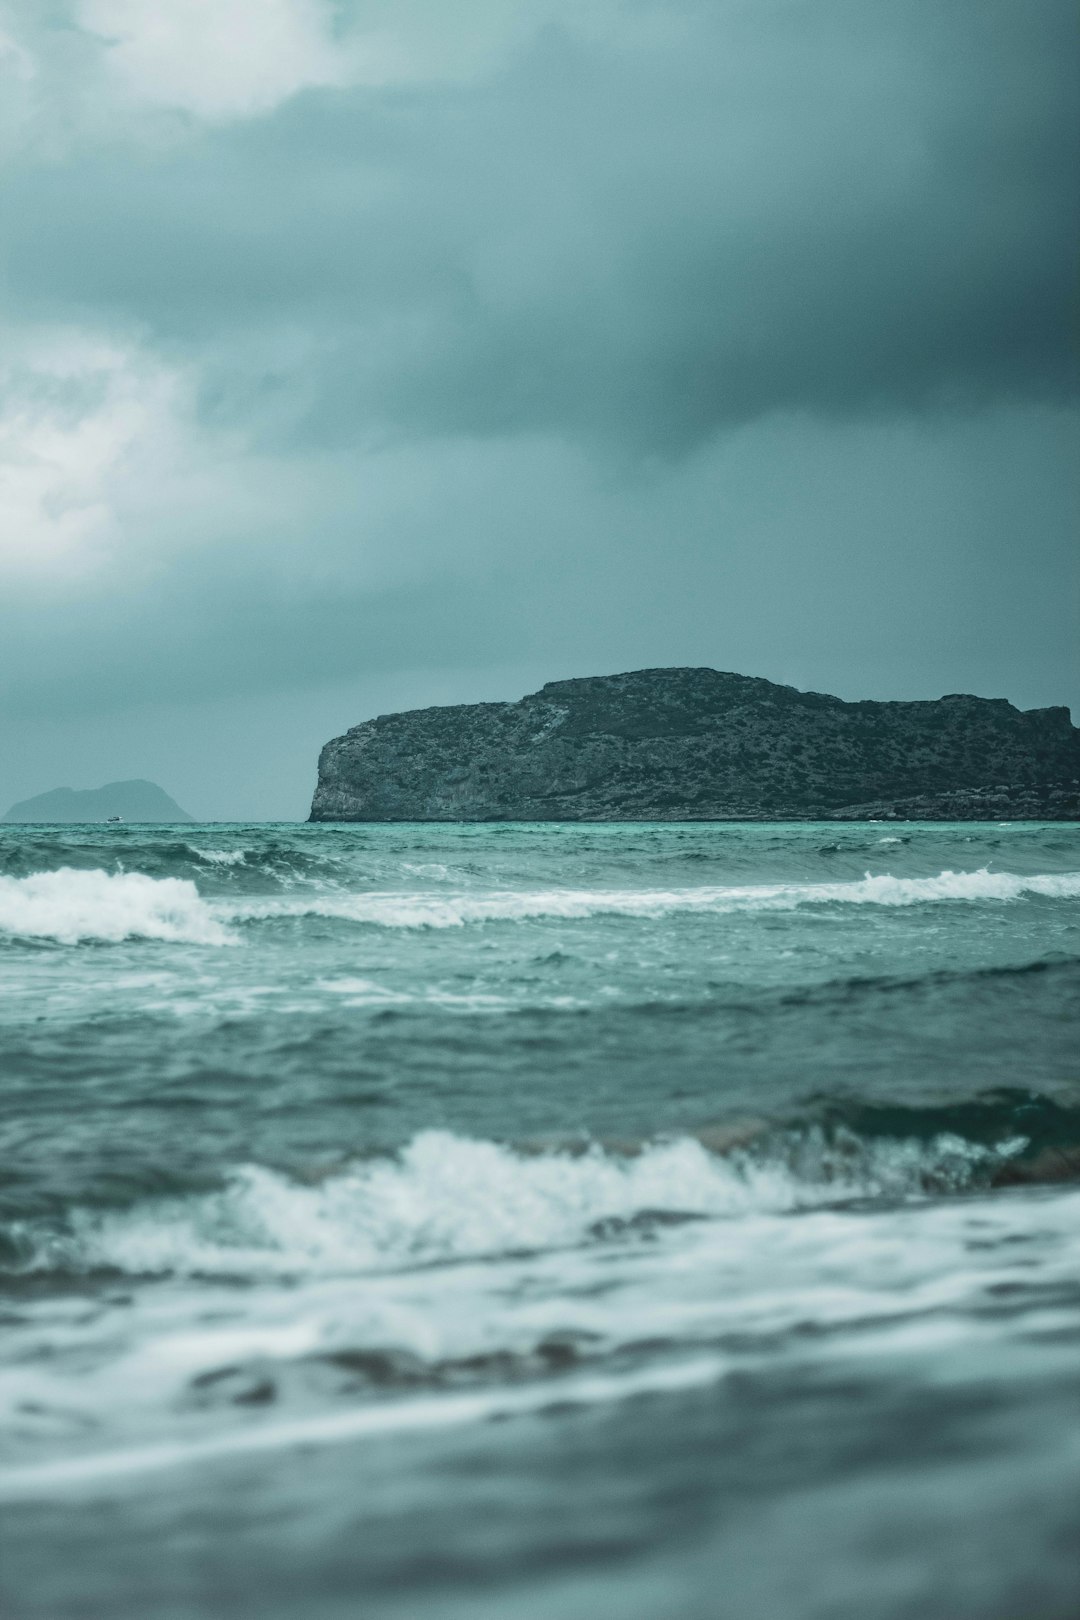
[(246, 866), (70, 905), (395, 1417), (403, 910), (73, 904), (1058, 966), (448, 1198)]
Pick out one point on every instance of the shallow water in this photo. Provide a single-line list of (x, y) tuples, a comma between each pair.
[(539, 1221)]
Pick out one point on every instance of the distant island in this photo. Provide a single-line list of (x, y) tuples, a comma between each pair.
[(129, 801), (701, 745)]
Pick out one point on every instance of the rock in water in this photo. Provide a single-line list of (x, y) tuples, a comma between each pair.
[(699, 745), (130, 801)]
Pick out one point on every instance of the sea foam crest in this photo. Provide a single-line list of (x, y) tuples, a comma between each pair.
[(69, 905), (441, 910), (446, 1198)]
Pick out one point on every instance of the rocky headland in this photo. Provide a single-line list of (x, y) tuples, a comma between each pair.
[(701, 745)]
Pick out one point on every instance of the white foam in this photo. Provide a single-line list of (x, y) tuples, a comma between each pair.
[(92, 1396), (70, 905), (220, 857), (398, 910), (448, 1198), (425, 1412), (364, 992), (367, 993), (912, 1279)]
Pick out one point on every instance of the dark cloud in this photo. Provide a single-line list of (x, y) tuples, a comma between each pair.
[(879, 561), (829, 207), (740, 337)]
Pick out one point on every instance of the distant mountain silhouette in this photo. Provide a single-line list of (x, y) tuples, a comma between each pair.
[(131, 801)]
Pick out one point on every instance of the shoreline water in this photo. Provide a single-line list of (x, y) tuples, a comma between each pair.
[(538, 1219)]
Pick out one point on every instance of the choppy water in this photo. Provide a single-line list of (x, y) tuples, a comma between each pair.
[(681, 1150)]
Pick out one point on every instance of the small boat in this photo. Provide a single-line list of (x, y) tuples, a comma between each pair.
[(114, 818)]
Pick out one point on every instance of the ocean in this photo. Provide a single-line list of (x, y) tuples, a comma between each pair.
[(539, 1222)]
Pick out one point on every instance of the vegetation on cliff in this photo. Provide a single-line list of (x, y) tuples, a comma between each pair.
[(698, 744)]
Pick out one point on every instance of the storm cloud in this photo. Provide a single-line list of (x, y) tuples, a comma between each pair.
[(572, 336)]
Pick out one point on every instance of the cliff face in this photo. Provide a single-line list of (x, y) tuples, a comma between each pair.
[(695, 744)]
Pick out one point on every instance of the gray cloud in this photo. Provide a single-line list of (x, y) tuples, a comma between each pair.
[(731, 333), (782, 207), (878, 559)]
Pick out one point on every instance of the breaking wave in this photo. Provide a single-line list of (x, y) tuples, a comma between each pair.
[(395, 910), (446, 1198), (74, 904), (71, 905)]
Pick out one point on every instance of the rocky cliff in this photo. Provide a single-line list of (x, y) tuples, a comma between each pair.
[(695, 745)]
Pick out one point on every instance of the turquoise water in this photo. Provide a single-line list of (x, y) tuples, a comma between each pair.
[(539, 1220)]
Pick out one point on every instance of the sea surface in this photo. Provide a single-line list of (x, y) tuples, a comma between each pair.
[(539, 1222)]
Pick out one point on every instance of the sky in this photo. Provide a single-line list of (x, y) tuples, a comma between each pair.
[(357, 355)]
